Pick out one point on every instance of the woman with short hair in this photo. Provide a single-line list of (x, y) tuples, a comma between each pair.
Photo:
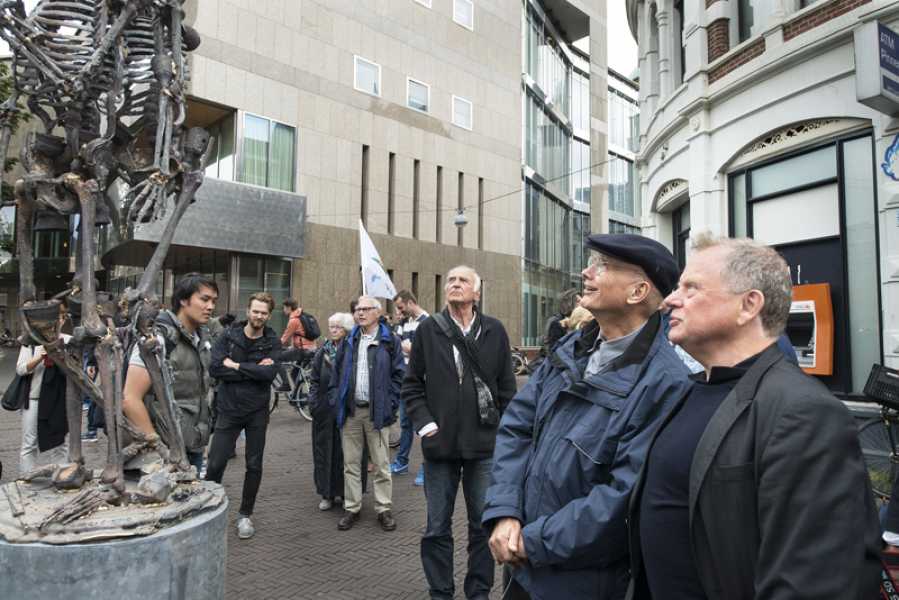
[(327, 454)]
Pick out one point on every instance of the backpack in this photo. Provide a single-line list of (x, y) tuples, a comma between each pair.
[(310, 326)]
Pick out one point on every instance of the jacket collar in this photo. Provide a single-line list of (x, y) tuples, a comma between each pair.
[(724, 418), (170, 319), (384, 334)]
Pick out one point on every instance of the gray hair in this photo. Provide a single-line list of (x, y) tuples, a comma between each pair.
[(373, 300), (342, 319), (477, 278), (750, 265)]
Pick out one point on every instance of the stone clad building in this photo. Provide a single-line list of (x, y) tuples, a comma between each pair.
[(751, 124)]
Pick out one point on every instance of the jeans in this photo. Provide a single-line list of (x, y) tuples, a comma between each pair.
[(227, 430), (402, 455), (441, 487), (93, 416), (196, 460)]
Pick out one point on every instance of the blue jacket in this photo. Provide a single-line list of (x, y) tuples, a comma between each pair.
[(385, 373), (568, 452)]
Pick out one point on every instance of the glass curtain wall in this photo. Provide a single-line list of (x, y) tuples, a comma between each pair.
[(622, 115)]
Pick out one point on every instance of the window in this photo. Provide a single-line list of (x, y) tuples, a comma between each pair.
[(268, 156), (681, 226), (264, 274), (439, 206), (391, 194), (463, 13), (480, 213), (753, 15), (462, 110), (416, 197), (363, 204), (460, 206), (367, 77), (221, 155), (418, 95)]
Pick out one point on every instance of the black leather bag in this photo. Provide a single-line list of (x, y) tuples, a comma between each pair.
[(16, 395)]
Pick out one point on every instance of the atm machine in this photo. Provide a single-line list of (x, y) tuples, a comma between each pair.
[(810, 328)]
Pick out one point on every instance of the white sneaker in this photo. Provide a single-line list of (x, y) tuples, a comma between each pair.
[(245, 529), (325, 504)]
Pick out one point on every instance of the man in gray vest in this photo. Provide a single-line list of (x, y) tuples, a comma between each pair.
[(188, 354)]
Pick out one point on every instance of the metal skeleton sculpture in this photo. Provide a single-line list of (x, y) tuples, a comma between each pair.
[(109, 75)]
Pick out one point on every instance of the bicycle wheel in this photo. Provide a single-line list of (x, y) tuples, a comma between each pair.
[(275, 394), (300, 395), (518, 366), (879, 454)]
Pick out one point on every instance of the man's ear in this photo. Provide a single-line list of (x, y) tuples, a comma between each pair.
[(639, 292), (750, 306)]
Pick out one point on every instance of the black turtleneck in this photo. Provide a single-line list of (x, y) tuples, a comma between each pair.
[(664, 505)]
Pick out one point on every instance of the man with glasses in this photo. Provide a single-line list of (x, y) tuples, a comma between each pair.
[(571, 443), (366, 393)]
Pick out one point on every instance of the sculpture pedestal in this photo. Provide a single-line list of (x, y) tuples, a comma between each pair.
[(183, 562)]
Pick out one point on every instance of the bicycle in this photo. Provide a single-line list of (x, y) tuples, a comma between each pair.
[(297, 368), (878, 436), (520, 363)]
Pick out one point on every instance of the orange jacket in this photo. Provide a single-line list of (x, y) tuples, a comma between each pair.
[(294, 334)]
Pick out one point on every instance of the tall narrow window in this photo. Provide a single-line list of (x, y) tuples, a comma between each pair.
[(439, 205), (462, 113), (391, 193), (364, 183), (460, 238), (416, 196), (681, 227), (438, 293), (367, 76), (463, 13), (415, 284), (480, 213), (679, 40), (418, 95)]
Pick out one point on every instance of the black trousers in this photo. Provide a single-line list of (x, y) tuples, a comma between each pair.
[(512, 590), (227, 430)]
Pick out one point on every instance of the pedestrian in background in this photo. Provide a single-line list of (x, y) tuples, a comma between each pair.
[(44, 424), (365, 394), (553, 329), (754, 485), (458, 383), (413, 315), (327, 452)]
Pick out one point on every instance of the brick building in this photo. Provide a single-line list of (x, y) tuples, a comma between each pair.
[(750, 126)]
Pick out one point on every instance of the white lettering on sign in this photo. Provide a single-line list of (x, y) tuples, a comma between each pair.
[(887, 39)]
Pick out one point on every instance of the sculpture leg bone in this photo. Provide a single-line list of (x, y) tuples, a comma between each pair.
[(109, 360)]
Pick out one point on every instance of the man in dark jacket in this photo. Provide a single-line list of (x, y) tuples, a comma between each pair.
[(458, 382), (366, 394), (754, 485), (571, 442), (244, 361)]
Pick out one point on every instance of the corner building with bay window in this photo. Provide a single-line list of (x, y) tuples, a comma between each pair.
[(750, 125)]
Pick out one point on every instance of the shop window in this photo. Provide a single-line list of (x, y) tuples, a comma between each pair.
[(263, 274), (367, 76), (463, 13), (418, 95), (681, 228), (811, 167), (268, 153)]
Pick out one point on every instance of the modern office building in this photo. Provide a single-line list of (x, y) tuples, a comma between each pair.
[(760, 119), (624, 123), (563, 159)]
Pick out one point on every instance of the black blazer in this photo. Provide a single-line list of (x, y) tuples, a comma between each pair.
[(780, 500)]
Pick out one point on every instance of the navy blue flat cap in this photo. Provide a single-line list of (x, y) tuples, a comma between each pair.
[(649, 255)]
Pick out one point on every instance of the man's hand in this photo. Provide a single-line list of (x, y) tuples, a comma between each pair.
[(506, 543), (265, 362), (406, 345), (230, 364)]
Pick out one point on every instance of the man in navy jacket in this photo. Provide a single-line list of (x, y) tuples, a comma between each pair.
[(366, 394), (571, 443)]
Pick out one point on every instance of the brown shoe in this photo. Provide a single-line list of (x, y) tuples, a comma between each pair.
[(388, 523), (348, 520)]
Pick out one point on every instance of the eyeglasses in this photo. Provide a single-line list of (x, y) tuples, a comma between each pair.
[(600, 264), (365, 308)]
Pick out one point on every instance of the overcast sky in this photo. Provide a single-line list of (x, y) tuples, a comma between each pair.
[(622, 46)]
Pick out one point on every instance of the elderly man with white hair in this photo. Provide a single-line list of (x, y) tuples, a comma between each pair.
[(458, 382), (366, 394), (754, 485)]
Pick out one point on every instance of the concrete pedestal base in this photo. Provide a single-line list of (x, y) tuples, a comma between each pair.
[(182, 562)]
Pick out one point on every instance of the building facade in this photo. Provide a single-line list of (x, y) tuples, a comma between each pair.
[(563, 160), (750, 126)]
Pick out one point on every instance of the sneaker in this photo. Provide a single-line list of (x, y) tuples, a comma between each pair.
[(388, 523), (325, 504), (347, 520), (89, 437), (245, 529), (398, 469), (420, 477)]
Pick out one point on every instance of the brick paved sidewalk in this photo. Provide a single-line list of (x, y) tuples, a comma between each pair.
[(297, 552)]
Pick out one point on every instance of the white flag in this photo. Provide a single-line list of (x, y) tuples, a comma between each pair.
[(375, 281)]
